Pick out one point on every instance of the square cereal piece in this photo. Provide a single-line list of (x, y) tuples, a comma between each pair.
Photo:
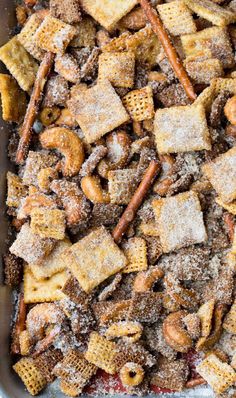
[(75, 293), (145, 307), (27, 36), (16, 190), (135, 250), (214, 40), (230, 320), (181, 129), (48, 223), (224, 84), (54, 35), (171, 15), (66, 10), (222, 174), (122, 185), (19, 62), (180, 221), (29, 246), (91, 262), (139, 104), (35, 162), (212, 12), (98, 111), (203, 71), (32, 378), (13, 99), (85, 33), (46, 361), (230, 207), (205, 313), (101, 352), (45, 290), (108, 12), (118, 68), (219, 375), (53, 263)]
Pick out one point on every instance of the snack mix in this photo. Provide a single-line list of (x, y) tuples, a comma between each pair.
[(122, 203)]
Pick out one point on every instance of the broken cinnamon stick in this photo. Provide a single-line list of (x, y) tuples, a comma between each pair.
[(169, 49), (137, 199), (19, 325), (195, 382), (32, 109), (229, 221)]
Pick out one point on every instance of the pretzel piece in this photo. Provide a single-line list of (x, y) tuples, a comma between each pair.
[(19, 325)]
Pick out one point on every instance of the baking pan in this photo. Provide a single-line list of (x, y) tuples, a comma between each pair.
[(10, 384)]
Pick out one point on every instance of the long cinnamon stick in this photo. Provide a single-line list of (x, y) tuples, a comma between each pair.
[(33, 106), (129, 213), (19, 325), (169, 49)]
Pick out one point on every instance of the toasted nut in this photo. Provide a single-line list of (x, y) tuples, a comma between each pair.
[(91, 187), (69, 144), (131, 374), (230, 110), (49, 115), (163, 184), (175, 334), (66, 119), (145, 280), (45, 177), (130, 331)]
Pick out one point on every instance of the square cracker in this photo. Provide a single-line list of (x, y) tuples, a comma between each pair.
[(118, 68), (27, 36), (94, 258), (174, 12), (108, 12), (181, 129), (101, 352), (54, 35), (212, 12), (19, 62), (139, 104), (48, 223), (98, 111), (222, 174), (45, 290), (53, 263), (135, 250), (180, 221), (13, 99)]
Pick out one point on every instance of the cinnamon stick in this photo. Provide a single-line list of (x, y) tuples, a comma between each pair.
[(229, 221), (137, 199), (32, 109), (195, 382), (169, 49), (19, 325)]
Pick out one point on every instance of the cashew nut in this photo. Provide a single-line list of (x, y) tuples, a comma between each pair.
[(130, 331), (175, 334), (163, 184), (45, 177), (91, 187), (69, 144), (230, 110), (145, 280)]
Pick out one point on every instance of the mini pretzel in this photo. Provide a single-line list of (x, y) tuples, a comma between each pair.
[(138, 197), (145, 280), (33, 106), (19, 325), (131, 374), (170, 51)]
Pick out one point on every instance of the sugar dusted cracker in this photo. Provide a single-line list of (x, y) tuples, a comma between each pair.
[(212, 12)]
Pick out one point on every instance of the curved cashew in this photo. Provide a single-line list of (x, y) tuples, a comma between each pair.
[(163, 184), (131, 374), (45, 177), (91, 187), (175, 334), (230, 110), (130, 331), (145, 280), (69, 144)]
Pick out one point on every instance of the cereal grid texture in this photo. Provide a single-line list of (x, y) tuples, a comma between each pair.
[(171, 14), (101, 352), (136, 252)]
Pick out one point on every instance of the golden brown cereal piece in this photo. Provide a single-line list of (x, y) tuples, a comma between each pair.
[(135, 249), (144, 281), (54, 35), (49, 115), (45, 177), (85, 33), (174, 332), (114, 312), (212, 12), (34, 163), (27, 35), (69, 144), (13, 99), (135, 20), (73, 290), (66, 119), (45, 290), (171, 374), (32, 378), (218, 374), (21, 14), (145, 307), (48, 223), (230, 207), (131, 374), (230, 110), (12, 269), (29, 246), (25, 343), (220, 84), (108, 14), (230, 320), (118, 68), (46, 362), (202, 71), (104, 104), (101, 352), (221, 173), (52, 264), (188, 228), (172, 13), (66, 10), (148, 228), (69, 388), (204, 343), (67, 66), (206, 98), (90, 261), (16, 190), (92, 188), (34, 200), (139, 104), (205, 314), (128, 330), (20, 63), (181, 129)]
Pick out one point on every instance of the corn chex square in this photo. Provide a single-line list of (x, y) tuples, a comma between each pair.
[(66, 10), (135, 250), (16, 190), (203, 71), (230, 320), (108, 12), (181, 129), (13, 99), (118, 68), (36, 161), (180, 221), (32, 378), (91, 262), (222, 174), (27, 36), (101, 352), (98, 111), (19, 62), (224, 84), (54, 35), (212, 12), (174, 12), (219, 375), (85, 33), (139, 104), (122, 185), (205, 313), (48, 223)]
